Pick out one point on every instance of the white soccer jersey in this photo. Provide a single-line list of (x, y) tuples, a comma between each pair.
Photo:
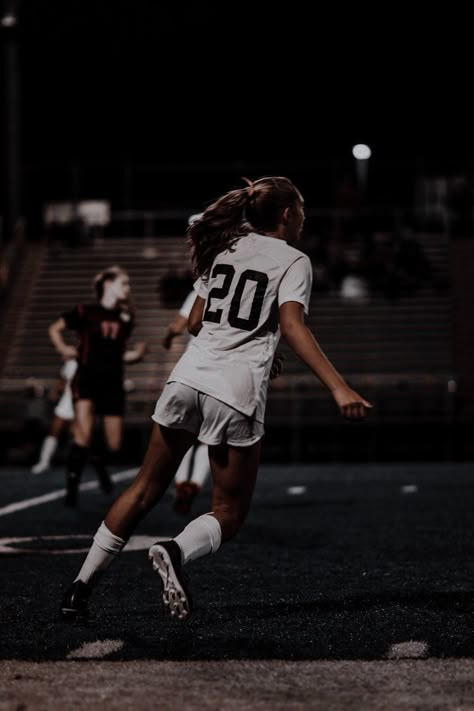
[(188, 303), (232, 355)]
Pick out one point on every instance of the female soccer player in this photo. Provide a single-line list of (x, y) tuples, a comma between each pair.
[(103, 329), (252, 285)]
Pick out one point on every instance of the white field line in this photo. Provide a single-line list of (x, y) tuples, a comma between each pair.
[(60, 493)]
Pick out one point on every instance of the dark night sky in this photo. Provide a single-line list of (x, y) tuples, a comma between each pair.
[(140, 81), (142, 78)]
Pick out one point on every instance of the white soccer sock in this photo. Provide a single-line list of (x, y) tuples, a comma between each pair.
[(183, 469), (201, 466), (104, 549), (47, 450), (200, 537)]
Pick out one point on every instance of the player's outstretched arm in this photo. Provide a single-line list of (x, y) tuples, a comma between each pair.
[(176, 328), (55, 335), (302, 342), (135, 354)]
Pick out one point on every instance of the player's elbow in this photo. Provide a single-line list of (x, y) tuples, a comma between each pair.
[(289, 329), (53, 331), (194, 327)]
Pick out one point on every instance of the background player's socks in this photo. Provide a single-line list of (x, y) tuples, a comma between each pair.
[(99, 459), (47, 450), (75, 466), (200, 537), (183, 470), (201, 468)]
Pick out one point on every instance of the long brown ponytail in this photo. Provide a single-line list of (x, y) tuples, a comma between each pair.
[(220, 226), (257, 207)]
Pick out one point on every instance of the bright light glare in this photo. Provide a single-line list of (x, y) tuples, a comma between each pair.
[(361, 151), (8, 20)]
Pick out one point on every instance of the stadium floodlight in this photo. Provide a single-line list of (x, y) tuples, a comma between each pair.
[(8, 20), (10, 13), (361, 151)]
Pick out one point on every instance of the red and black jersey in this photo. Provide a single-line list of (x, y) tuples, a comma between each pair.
[(103, 334)]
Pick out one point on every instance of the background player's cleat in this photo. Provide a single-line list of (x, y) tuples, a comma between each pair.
[(105, 482), (185, 493), (72, 489), (166, 561), (74, 604)]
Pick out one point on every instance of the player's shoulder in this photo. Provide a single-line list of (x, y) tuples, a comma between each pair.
[(279, 250), (79, 308)]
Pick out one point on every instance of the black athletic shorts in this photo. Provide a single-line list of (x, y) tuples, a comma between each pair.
[(107, 394)]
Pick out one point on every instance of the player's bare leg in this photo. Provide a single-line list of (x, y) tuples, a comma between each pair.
[(83, 427), (234, 472), (165, 451), (102, 455)]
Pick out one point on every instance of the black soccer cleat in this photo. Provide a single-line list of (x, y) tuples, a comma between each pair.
[(74, 605), (166, 560), (105, 482)]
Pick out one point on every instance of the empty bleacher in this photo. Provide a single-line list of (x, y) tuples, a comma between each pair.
[(398, 353)]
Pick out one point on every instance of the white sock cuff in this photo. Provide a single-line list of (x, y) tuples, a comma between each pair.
[(106, 540), (214, 529)]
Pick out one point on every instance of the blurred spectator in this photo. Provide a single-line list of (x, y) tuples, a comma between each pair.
[(346, 196), (397, 264), (174, 287), (460, 205), (354, 286), (35, 416)]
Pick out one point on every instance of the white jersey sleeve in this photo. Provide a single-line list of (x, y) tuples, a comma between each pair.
[(201, 287), (296, 283), (187, 305)]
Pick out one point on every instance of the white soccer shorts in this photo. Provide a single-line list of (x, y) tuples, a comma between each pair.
[(214, 422)]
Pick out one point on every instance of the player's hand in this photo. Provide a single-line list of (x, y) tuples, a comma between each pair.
[(69, 352), (351, 405), (141, 348), (168, 339), (277, 365)]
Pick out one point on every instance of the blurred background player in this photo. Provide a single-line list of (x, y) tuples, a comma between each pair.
[(103, 330), (194, 469), (63, 418)]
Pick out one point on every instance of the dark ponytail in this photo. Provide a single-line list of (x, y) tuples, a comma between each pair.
[(221, 225), (258, 208)]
